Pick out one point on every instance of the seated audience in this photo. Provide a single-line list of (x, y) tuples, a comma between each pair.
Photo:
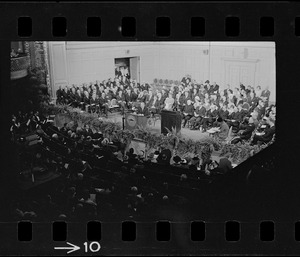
[(188, 112), (224, 129), (265, 137)]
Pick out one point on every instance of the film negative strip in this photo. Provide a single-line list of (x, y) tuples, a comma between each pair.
[(149, 128)]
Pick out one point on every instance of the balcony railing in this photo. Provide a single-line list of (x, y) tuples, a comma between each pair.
[(19, 67)]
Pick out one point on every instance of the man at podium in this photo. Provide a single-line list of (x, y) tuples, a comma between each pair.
[(169, 102)]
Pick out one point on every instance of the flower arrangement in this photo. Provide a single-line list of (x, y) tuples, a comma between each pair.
[(184, 148), (241, 151)]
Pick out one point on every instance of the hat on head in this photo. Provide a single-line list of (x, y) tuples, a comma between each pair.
[(207, 81)]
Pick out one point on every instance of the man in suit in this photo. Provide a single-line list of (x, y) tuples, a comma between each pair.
[(94, 103), (210, 116), (142, 109), (121, 100), (154, 106), (245, 133), (134, 95), (260, 109), (252, 100), (103, 103), (215, 89), (206, 85), (128, 98), (187, 112), (199, 113), (181, 102), (149, 97), (266, 136), (59, 95), (78, 98), (265, 95), (223, 112)]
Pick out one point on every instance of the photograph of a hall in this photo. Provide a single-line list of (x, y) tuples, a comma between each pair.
[(111, 130)]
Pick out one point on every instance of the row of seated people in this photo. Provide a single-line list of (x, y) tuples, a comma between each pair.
[(202, 114), (127, 93), (23, 123), (246, 124)]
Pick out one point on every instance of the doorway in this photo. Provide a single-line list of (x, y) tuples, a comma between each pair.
[(129, 67)]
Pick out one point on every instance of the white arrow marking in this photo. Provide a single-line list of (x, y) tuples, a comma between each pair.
[(72, 249)]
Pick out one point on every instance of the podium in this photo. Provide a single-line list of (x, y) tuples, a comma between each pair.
[(170, 119), (132, 121)]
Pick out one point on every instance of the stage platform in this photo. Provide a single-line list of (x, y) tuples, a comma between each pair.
[(185, 132)]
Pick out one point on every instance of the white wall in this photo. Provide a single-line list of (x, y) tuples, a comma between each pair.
[(95, 61), (90, 61), (58, 65), (177, 59)]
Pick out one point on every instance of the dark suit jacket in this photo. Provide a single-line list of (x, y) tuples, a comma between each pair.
[(102, 100), (201, 111), (269, 132), (120, 98), (86, 100), (189, 109), (246, 134), (145, 111), (223, 114), (134, 97), (185, 99), (78, 98), (212, 114), (181, 100), (58, 93)]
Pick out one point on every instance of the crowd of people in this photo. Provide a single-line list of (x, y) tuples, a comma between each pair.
[(202, 105), (99, 178)]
